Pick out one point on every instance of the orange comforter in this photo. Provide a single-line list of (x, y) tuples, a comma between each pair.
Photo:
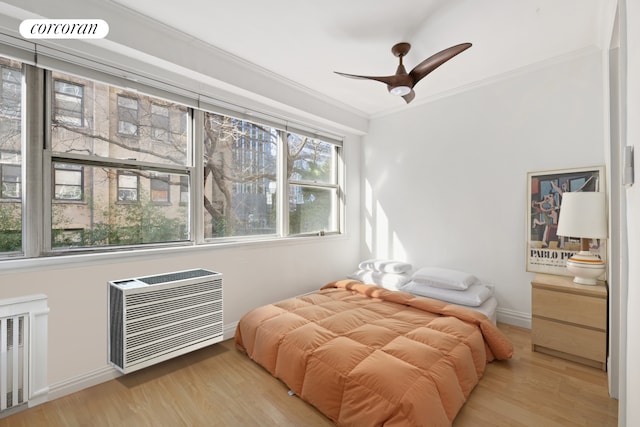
[(366, 356)]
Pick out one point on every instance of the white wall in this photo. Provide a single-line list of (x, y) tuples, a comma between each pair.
[(254, 274), (444, 184), (632, 39)]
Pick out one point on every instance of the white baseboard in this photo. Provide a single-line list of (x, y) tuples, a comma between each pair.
[(514, 318), (81, 382), (229, 330), (104, 374), (108, 373)]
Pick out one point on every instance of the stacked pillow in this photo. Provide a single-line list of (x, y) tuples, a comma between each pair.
[(389, 274), (456, 287)]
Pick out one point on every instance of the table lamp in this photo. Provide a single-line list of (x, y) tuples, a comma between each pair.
[(583, 215)]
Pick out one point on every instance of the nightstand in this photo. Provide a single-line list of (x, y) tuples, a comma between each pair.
[(569, 320)]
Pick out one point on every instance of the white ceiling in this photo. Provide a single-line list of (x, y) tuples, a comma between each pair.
[(305, 41)]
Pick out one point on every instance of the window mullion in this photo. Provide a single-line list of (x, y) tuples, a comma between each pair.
[(196, 185), (283, 186), (33, 112), (341, 180)]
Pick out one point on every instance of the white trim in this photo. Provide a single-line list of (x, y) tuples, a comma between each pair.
[(72, 260), (229, 331), (81, 382), (104, 374), (514, 318)]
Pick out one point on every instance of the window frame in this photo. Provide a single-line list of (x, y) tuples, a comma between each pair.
[(38, 200), (69, 168), (17, 113), (334, 185), (114, 165), (18, 176), (57, 110), (162, 183), (123, 113), (121, 173), (165, 121)]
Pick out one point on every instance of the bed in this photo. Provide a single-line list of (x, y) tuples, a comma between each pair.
[(488, 308), (367, 356)]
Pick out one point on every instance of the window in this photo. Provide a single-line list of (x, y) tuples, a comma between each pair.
[(159, 122), (160, 188), (119, 168), (10, 176), (11, 89), (241, 180), (68, 181), (10, 156), (68, 103), (127, 116), (313, 185), (127, 186), (240, 163)]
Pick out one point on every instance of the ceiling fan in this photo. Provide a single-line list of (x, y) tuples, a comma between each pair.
[(402, 83)]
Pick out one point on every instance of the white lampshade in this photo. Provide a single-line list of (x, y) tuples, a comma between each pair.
[(583, 214)]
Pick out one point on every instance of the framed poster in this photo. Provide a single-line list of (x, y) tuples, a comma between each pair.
[(546, 251)]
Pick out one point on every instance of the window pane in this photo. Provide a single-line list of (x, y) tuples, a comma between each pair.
[(240, 165), (68, 103), (127, 116), (11, 99), (127, 187), (101, 222), (160, 188), (112, 116), (160, 125), (11, 180), (312, 210), (67, 181), (314, 160), (10, 156)]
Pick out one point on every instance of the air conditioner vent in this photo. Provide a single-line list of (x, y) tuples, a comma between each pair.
[(174, 277), (155, 318)]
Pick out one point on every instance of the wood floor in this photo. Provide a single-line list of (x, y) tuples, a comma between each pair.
[(218, 386)]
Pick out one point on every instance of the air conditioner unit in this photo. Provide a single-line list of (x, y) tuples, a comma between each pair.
[(155, 318)]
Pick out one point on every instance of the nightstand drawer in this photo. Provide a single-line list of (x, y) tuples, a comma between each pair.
[(586, 343), (578, 309)]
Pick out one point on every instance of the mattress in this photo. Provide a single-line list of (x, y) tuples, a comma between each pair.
[(364, 355), (488, 308)]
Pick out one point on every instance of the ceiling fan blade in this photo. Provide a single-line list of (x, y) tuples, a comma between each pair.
[(409, 97), (389, 80), (434, 61)]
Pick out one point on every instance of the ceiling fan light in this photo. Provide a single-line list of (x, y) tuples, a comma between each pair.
[(400, 90)]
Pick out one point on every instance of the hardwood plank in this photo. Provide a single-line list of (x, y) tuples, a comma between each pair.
[(220, 386), (535, 389)]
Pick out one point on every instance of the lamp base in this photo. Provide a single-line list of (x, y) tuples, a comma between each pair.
[(586, 268)]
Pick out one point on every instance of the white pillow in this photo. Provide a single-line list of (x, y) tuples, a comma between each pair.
[(385, 266), (444, 278), (473, 296), (391, 281)]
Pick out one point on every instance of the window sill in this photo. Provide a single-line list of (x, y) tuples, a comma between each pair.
[(58, 260)]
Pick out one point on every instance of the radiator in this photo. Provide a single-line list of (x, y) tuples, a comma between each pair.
[(155, 318), (13, 361), (23, 353)]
